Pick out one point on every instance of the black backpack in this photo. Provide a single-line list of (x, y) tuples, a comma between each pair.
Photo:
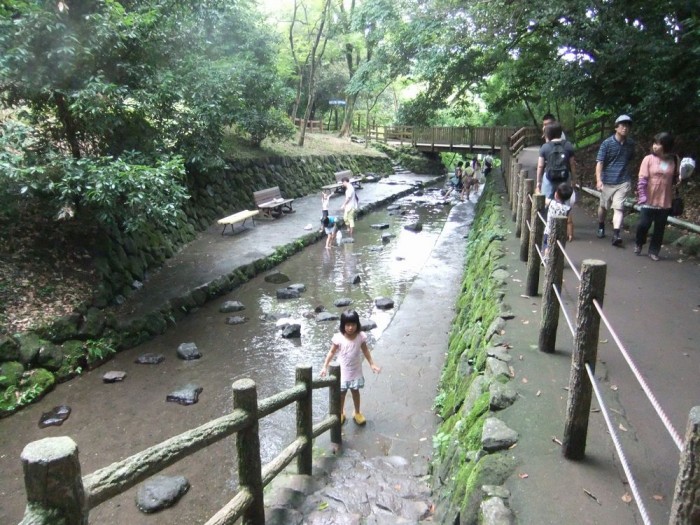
[(557, 167)]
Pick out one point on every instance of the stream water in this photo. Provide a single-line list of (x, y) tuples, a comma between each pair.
[(112, 421)]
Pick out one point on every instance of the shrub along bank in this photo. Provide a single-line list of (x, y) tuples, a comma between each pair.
[(31, 363), (470, 447)]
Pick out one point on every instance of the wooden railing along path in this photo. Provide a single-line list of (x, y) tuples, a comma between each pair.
[(58, 493)]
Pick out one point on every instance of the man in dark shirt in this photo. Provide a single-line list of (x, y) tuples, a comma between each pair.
[(612, 176)]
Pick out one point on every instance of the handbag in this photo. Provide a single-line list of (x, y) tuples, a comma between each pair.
[(677, 206)]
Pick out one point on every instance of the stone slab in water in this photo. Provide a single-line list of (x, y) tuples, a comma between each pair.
[(236, 319), (382, 226), (231, 306), (291, 331), (149, 359), (343, 301), (276, 278), (384, 303), (414, 227), (327, 316), (187, 395), (114, 376), (299, 287), (54, 417), (161, 492), (386, 237), (188, 352), (287, 293), (367, 324)]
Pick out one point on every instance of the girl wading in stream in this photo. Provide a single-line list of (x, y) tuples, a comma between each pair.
[(350, 344)]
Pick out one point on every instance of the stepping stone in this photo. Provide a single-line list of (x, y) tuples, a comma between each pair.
[(345, 301), (276, 278), (231, 306), (149, 359), (161, 492), (382, 226), (287, 293), (384, 303), (414, 227), (187, 395), (236, 319), (327, 316), (188, 352), (291, 331), (113, 376), (54, 417)]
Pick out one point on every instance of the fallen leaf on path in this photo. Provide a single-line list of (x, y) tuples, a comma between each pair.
[(595, 409), (537, 394), (622, 427), (524, 379), (512, 446), (626, 497), (658, 497), (523, 476), (323, 505), (557, 441), (512, 371), (526, 322), (603, 341), (524, 296), (591, 495), (613, 387), (517, 281), (520, 357)]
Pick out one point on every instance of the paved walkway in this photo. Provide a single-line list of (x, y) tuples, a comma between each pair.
[(655, 309)]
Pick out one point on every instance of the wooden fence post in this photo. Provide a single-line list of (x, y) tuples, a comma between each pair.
[(685, 507), (553, 272), (532, 281), (517, 197), (524, 215), (578, 407), (53, 483), (305, 422), (515, 169), (334, 407), (245, 397)]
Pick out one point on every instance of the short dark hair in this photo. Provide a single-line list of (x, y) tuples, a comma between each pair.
[(325, 221), (548, 116), (665, 140), (349, 316), (345, 179), (460, 164), (553, 130), (565, 191)]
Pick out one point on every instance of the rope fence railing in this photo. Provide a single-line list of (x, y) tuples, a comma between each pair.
[(585, 331)]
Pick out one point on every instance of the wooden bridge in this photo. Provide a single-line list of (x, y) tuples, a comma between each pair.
[(481, 139)]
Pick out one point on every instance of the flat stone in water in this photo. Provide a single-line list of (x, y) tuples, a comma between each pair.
[(287, 293), (327, 316), (367, 324), (414, 227), (291, 331), (161, 492), (54, 417), (236, 319), (274, 317), (382, 226), (386, 237), (113, 376), (345, 301), (384, 303), (299, 287), (188, 352), (149, 359), (276, 278), (187, 395), (231, 306)]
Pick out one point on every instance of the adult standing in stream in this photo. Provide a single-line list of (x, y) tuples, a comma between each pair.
[(350, 204)]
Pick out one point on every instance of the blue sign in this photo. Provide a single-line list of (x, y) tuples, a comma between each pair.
[(336, 102)]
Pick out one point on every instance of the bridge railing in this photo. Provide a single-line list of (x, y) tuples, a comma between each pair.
[(57, 493), (527, 212), (444, 137)]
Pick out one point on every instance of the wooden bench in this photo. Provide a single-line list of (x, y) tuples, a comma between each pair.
[(241, 217), (270, 202), (338, 186)]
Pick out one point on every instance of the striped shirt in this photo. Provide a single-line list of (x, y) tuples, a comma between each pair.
[(616, 157)]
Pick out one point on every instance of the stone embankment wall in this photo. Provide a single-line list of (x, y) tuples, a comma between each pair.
[(32, 363), (471, 459)]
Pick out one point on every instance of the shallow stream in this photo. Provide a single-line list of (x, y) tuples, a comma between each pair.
[(112, 421)]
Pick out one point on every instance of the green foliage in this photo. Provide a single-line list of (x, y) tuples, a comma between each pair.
[(98, 350)]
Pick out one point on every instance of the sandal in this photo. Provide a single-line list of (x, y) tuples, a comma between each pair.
[(359, 419)]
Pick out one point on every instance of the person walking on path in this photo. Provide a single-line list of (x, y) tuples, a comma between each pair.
[(658, 175), (612, 176), (350, 344), (556, 163), (350, 204), (546, 121), (557, 207)]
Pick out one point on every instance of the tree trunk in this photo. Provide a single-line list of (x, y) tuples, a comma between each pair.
[(69, 126)]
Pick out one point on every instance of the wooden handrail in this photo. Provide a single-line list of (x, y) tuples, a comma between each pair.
[(78, 494)]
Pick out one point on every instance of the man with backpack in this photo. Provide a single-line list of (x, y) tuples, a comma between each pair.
[(556, 162)]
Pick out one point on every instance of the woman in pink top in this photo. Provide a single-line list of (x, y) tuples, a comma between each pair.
[(657, 176), (350, 344)]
